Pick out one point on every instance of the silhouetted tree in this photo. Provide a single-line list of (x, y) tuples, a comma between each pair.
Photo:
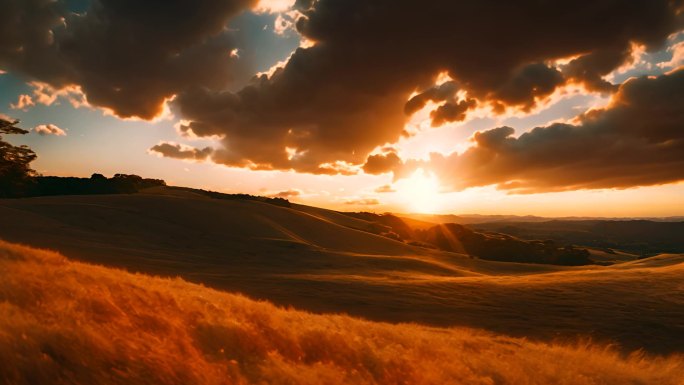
[(15, 173)]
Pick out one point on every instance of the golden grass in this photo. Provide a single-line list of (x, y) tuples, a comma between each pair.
[(63, 322)]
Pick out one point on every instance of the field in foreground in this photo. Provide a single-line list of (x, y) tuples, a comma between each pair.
[(69, 322)]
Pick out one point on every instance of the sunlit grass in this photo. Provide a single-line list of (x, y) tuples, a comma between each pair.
[(68, 322)]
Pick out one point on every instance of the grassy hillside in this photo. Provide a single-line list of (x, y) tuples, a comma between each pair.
[(314, 261), (66, 322)]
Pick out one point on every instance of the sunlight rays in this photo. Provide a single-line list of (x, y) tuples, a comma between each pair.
[(420, 192)]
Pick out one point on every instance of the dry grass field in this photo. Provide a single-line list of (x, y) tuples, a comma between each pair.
[(314, 260), (64, 322)]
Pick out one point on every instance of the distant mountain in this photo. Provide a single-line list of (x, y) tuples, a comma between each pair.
[(642, 237), (453, 237), (466, 219), (501, 247)]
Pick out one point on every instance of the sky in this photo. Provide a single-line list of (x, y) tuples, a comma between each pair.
[(569, 108)]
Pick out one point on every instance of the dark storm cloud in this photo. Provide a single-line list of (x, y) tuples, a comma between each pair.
[(638, 140), (590, 69), (525, 85), (374, 63), (451, 112), (450, 109), (125, 55), (439, 93), (179, 151), (338, 100)]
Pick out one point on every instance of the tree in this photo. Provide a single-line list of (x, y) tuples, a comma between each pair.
[(15, 173)]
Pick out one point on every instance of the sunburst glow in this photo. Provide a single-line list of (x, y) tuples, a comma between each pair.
[(420, 192)]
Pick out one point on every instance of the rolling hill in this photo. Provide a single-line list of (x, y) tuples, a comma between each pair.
[(324, 261), (64, 322)]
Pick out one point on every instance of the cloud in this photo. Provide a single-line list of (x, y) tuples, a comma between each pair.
[(385, 189), (126, 56), (23, 103), (367, 67), (636, 141), (362, 202), (181, 151), (677, 59), (381, 163), (46, 95), (373, 63), (590, 68), (49, 129), (274, 6), (292, 193)]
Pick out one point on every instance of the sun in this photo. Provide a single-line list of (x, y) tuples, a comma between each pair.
[(420, 192)]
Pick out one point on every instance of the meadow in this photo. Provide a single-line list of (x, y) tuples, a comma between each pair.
[(65, 322)]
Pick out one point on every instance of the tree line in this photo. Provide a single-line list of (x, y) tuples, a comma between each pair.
[(18, 179)]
